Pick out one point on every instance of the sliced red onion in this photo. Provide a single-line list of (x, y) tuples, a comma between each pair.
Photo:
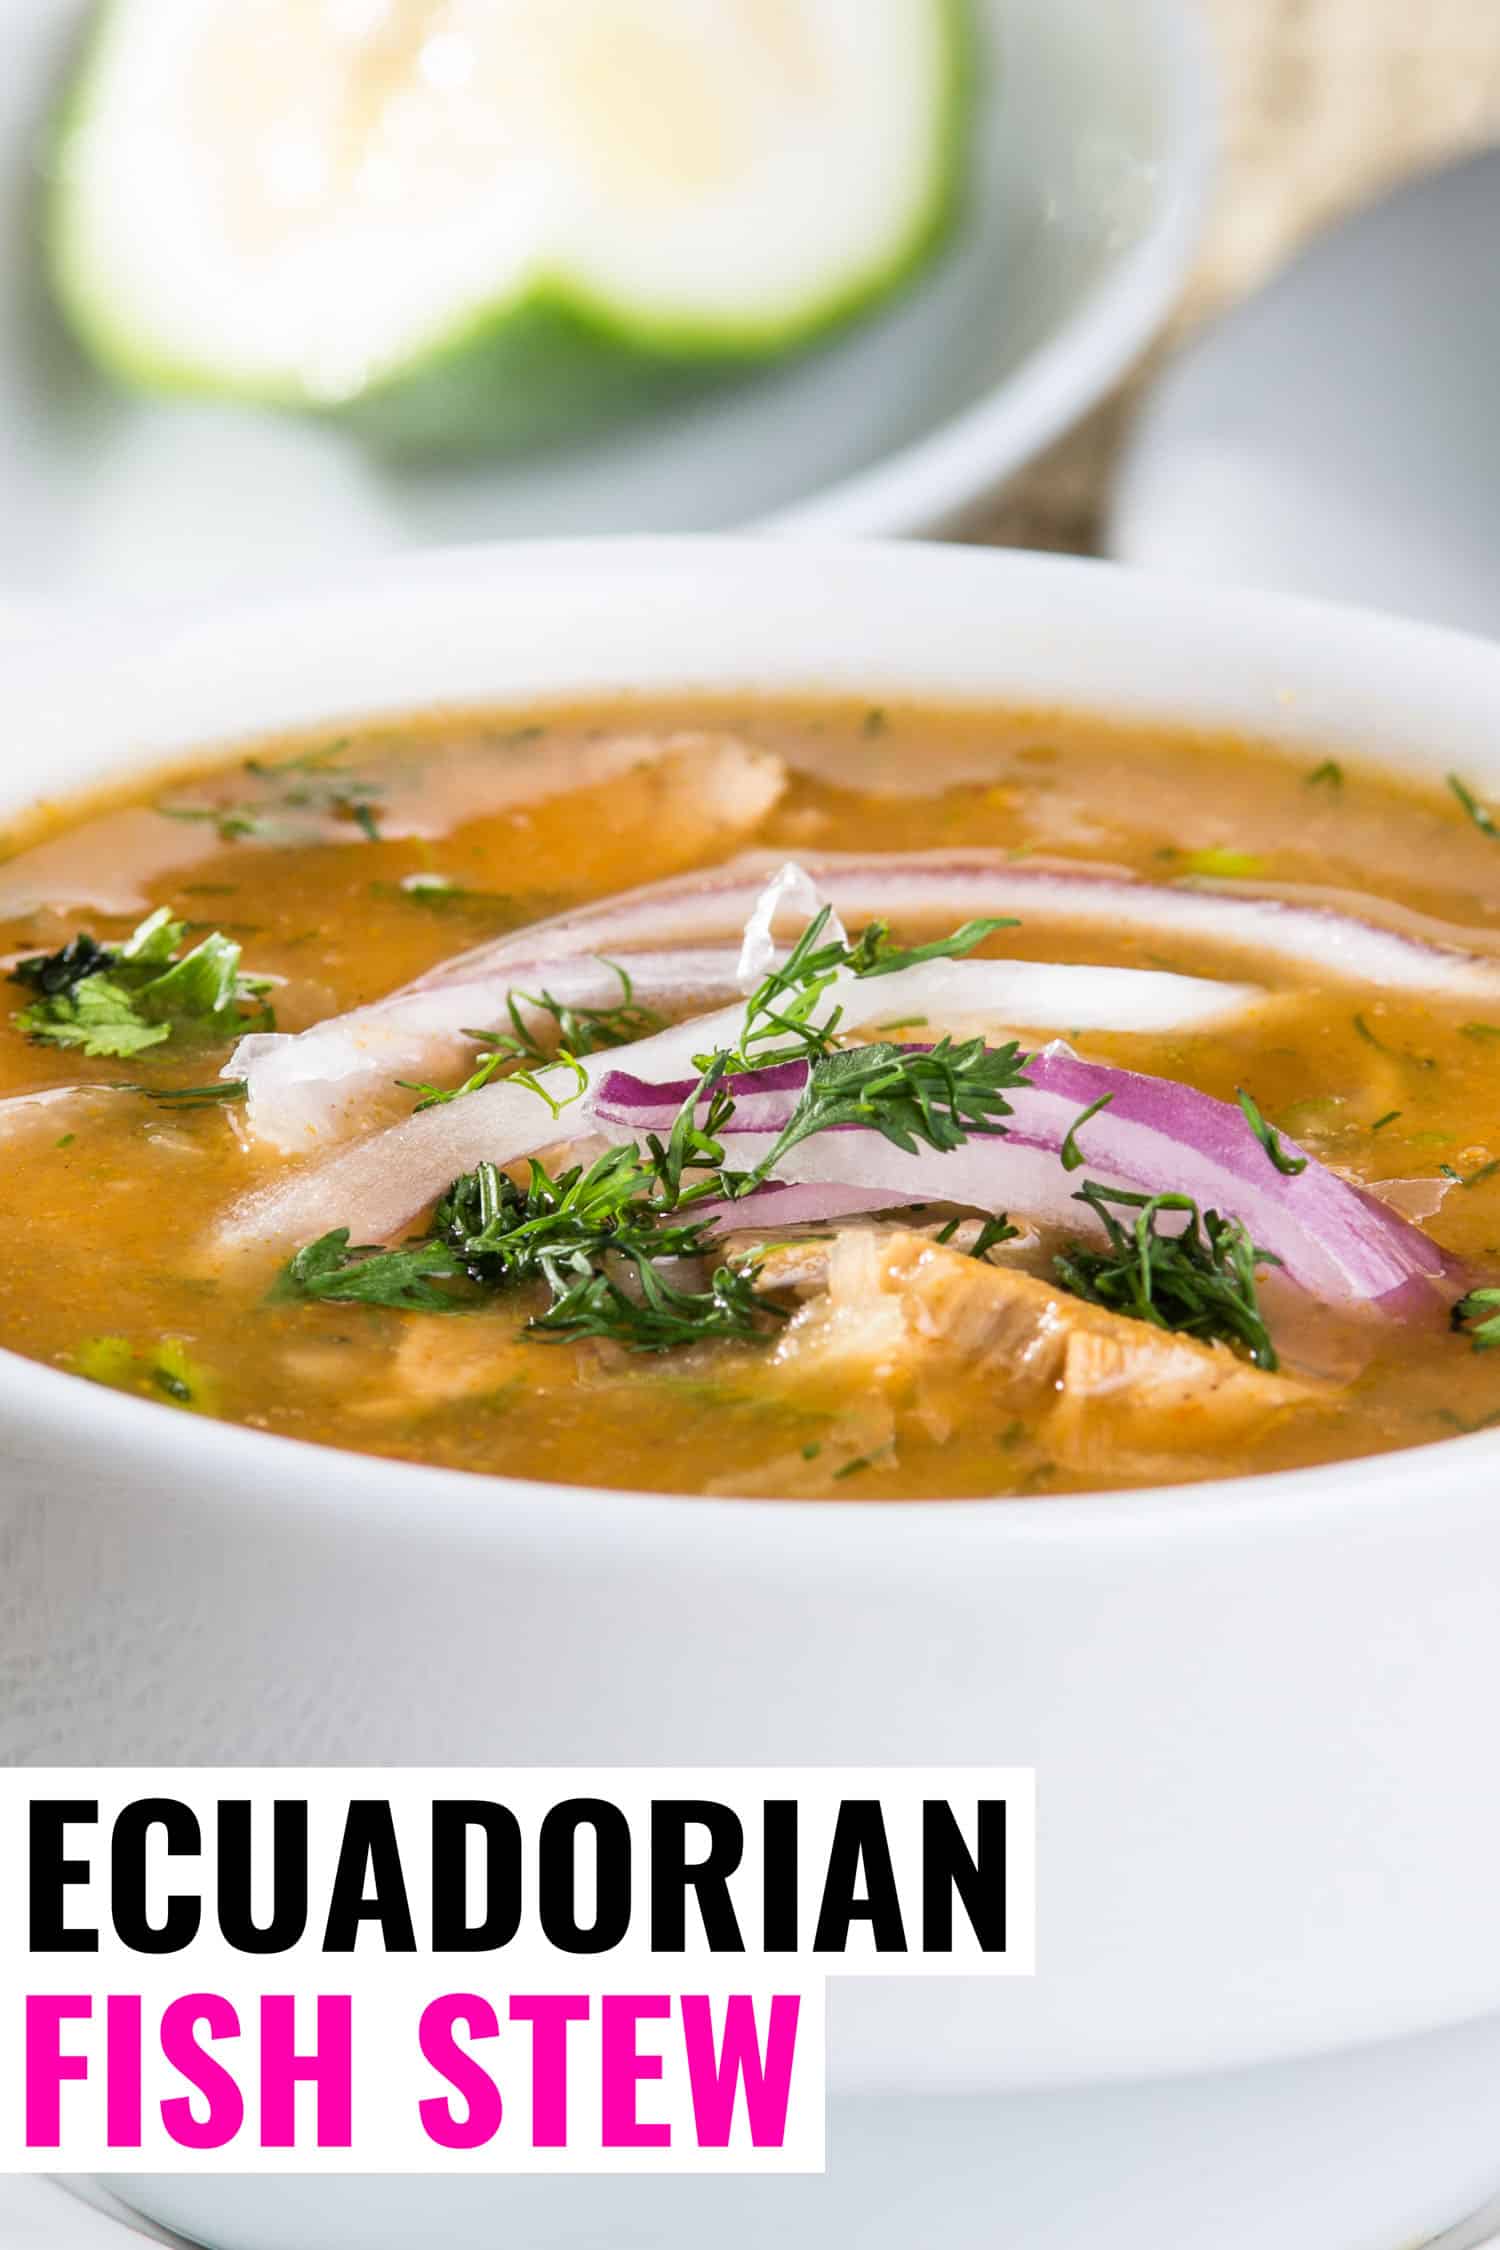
[(297, 1093), (1337, 1242), (1353, 939)]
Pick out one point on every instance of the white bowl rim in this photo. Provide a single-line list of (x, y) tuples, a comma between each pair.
[(493, 1508), (948, 474)]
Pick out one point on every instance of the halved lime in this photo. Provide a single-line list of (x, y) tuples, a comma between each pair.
[(467, 221)]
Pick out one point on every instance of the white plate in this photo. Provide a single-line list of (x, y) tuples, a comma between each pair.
[(45, 2214), (41, 2214), (1094, 144)]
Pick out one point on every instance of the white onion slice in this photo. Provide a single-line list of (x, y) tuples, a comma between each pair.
[(1352, 939), (52, 1105), (382, 1182), (791, 892), (313, 1088)]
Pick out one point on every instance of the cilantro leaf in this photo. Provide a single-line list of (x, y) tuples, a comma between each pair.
[(328, 1270), (121, 1001)]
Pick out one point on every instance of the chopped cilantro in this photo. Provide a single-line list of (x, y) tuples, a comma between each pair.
[(400, 1280), (121, 1001)]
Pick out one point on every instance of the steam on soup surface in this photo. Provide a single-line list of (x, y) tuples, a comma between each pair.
[(1090, 1107)]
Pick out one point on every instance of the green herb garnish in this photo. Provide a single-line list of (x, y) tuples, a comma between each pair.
[(1220, 862), (444, 894), (312, 783), (164, 1371), (1198, 1280), (1483, 819), (577, 1031), (602, 1239), (783, 1007), (935, 1097), (1329, 775), (120, 1001), (1389, 1118), (1072, 1155), (1485, 1172), (993, 1231), (886, 960), (328, 1270), (224, 1090), (1270, 1140), (1478, 1317), (596, 1237), (656, 1316), (1396, 1054)]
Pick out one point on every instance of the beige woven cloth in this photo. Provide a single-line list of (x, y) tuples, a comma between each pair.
[(1326, 102)]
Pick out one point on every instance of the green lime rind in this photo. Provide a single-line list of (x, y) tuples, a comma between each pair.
[(556, 358)]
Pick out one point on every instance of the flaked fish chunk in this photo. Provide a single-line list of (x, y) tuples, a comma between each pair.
[(796, 1263), (903, 1311)]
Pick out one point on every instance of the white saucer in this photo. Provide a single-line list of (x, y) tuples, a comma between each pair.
[(41, 2214), (1095, 134), (1335, 434)]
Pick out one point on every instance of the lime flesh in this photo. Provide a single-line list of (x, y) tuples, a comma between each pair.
[(462, 223)]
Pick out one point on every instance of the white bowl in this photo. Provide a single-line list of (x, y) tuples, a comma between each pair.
[(1259, 1711), (1094, 139)]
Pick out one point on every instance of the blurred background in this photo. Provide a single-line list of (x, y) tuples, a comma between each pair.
[(1325, 104), (920, 268)]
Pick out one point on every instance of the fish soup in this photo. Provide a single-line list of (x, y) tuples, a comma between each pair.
[(765, 1099)]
